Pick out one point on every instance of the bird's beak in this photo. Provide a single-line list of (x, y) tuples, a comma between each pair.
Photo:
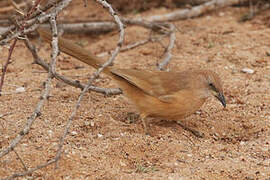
[(221, 98)]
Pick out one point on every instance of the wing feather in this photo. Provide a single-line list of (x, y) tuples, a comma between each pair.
[(155, 83)]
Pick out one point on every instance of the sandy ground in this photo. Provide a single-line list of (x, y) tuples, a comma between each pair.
[(105, 143)]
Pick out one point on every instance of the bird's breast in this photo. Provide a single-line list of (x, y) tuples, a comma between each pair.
[(184, 104)]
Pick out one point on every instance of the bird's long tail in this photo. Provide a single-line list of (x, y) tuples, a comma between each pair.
[(74, 50)]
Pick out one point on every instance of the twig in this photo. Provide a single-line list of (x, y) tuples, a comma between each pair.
[(14, 42), (16, 6), (4, 70), (167, 54), (3, 115), (134, 45), (21, 27), (32, 24), (10, 8), (40, 103), (30, 171), (24, 166), (33, 18), (75, 83), (89, 27), (55, 49), (254, 10), (195, 11), (94, 76), (37, 111), (81, 27), (30, 120)]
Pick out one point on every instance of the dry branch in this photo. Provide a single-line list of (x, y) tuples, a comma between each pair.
[(30, 171), (74, 83), (83, 27), (254, 10), (167, 54), (33, 21), (51, 75), (4, 70), (101, 27), (136, 44), (11, 8), (43, 98), (195, 11), (95, 75)]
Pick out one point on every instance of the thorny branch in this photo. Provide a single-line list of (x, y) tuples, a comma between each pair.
[(89, 27), (43, 98), (22, 28), (32, 24), (136, 44), (37, 111), (42, 17), (195, 11), (20, 159), (4, 70), (33, 18), (75, 83), (47, 87), (95, 75), (167, 54)]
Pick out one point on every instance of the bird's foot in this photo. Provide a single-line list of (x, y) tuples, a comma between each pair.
[(193, 131)]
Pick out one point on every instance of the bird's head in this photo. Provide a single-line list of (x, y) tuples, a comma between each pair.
[(213, 86)]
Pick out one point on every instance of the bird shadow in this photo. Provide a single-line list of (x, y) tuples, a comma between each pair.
[(134, 118), (173, 124)]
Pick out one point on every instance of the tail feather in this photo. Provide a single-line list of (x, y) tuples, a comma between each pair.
[(74, 50)]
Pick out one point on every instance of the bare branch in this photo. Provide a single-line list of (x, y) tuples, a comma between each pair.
[(24, 166), (37, 111), (195, 11), (10, 8), (94, 76), (134, 45), (30, 171), (167, 54), (4, 70), (32, 24), (75, 83)]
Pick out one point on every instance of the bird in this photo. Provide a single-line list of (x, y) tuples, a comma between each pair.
[(171, 95)]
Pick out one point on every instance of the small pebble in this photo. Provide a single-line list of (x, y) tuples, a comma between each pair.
[(122, 163), (73, 133), (247, 70), (242, 143), (20, 89), (50, 132), (221, 14), (92, 123)]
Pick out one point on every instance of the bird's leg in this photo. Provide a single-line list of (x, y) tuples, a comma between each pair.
[(145, 123), (193, 131), (132, 117)]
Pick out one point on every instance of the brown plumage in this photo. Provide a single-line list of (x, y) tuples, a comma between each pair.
[(169, 95)]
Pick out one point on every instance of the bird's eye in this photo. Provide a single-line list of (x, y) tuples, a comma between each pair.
[(212, 86)]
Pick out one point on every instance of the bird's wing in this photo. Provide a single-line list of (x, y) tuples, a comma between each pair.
[(155, 83), (168, 98)]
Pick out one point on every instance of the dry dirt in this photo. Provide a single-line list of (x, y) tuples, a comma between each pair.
[(105, 143)]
